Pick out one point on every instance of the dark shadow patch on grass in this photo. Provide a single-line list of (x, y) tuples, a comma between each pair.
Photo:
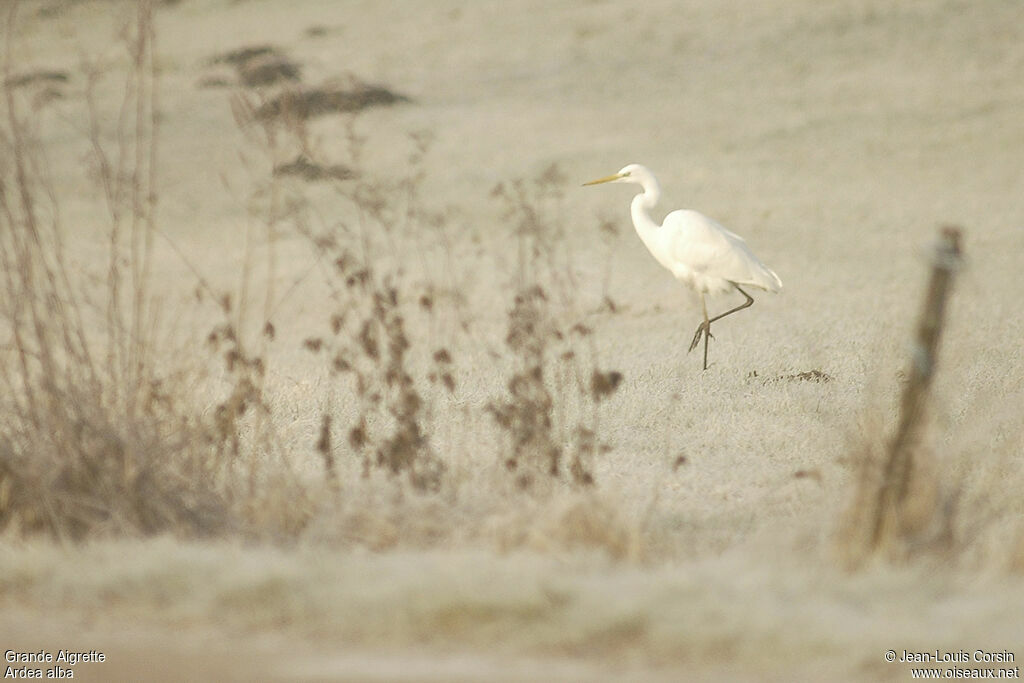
[(215, 82), (244, 54), (312, 102), (264, 71), (40, 77), (318, 31), (256, 66), (816, 376), (307, 169)]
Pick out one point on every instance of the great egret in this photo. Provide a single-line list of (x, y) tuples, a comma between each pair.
[(699, 252)]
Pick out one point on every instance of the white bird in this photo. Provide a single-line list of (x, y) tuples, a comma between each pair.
[(699, 252)]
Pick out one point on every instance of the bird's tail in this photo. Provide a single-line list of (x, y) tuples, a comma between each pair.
[(765, 278)]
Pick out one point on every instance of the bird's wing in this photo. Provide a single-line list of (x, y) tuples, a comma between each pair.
[(705, 251)]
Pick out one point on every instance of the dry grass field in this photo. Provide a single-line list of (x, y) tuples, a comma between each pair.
[(318, 363)]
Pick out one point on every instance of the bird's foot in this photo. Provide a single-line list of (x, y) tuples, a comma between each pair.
[(702, 329)]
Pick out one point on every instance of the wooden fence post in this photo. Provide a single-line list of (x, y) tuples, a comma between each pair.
[(898, 469)]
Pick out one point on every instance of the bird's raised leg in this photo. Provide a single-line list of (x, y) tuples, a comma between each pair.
[(705, 327), (745, 304)]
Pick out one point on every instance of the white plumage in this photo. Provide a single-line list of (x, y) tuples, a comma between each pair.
[(698, 251)]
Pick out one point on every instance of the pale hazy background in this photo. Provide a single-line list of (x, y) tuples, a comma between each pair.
[(836, 137)]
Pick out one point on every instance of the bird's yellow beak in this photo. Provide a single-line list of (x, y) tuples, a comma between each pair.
[(606, 179)]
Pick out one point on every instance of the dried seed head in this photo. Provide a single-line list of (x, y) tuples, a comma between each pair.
[(552, 176), (808, 474), (580, 474), (360, 277), (604, 383), (368, 340), (554, 457), (323, 444), (357, 436), (340, 364)]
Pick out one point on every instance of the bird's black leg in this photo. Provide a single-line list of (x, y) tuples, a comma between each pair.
[(707, 336), (705, 327), (745, 304)]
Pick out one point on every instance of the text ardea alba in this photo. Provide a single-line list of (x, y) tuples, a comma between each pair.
[(699, 252)]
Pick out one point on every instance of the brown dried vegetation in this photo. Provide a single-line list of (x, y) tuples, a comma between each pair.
[(545, 339), (94, 438), (307, 103)]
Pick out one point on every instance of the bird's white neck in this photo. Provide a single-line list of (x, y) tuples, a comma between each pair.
[(640, 209)]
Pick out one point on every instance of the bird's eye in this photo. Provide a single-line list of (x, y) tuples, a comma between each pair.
[(626, 173)]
